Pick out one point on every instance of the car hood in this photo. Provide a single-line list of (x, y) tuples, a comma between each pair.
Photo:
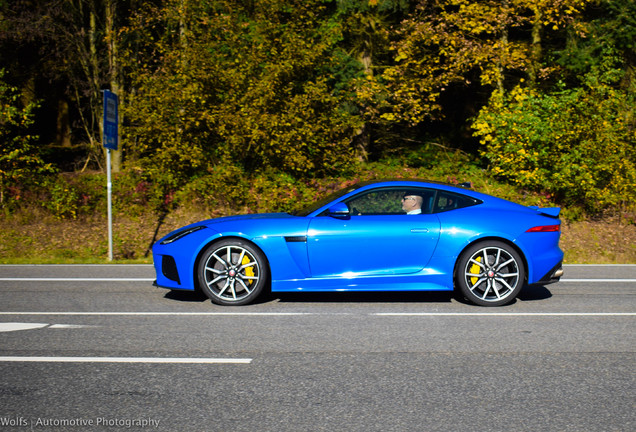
[(246, 225), (247, 217)]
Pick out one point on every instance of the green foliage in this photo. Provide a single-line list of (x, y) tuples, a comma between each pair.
[(219, 83), (577, 145), (463, 43), (607, 45), (20, 161), (227, 190), (275, 192), (233, 104), (62, 200), (222, 191), (69, 196), (438, 162)]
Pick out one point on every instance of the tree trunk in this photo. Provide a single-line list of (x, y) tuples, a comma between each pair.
[(503, 40), (362, 139), (115, 82), (535, 53), (63, 128), (92, 71)]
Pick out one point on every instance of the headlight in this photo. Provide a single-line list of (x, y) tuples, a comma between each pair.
[(179, 234)]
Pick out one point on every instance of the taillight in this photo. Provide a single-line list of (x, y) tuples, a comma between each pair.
[(545, 228)]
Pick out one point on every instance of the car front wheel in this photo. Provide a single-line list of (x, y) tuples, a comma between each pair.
[(232, 272), (490, 273)]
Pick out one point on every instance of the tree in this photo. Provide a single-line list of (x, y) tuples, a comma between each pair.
[(448, 43), (249, 84), (577, 139), (67, 51), (574, 144), (365, 43), (20, 161)]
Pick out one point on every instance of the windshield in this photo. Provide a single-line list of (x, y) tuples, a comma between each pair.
[(332, 197)]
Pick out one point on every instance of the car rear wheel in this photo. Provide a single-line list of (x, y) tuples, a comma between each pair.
[(232, 272), (490, 273)]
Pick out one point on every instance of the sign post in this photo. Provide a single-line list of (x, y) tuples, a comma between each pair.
[(110, 140)]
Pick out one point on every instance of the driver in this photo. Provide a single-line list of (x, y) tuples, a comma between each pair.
[(412, 204)]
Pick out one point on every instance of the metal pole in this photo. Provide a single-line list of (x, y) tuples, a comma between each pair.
[(109, 189)]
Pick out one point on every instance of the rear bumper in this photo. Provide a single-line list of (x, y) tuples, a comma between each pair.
[(554, 275)]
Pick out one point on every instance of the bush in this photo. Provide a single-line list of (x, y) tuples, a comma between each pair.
[(62, 198), (227, 190), (224, 189), (576, 145)]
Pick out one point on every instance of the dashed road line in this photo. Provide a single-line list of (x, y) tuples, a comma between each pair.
[(182, 360), (18, 326), (62, 313), (598, 280), (510, 314)]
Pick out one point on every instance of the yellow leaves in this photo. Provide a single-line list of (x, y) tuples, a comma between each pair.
[(402, 55), (569, 144)]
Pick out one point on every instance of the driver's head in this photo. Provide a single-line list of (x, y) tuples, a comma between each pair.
[(411, 202)]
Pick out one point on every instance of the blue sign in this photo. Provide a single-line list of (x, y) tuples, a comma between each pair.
[(111, 120)]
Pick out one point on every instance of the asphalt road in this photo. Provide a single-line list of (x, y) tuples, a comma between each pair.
[(100, 348)]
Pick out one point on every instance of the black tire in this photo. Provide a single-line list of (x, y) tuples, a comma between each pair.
[(490, 273), (232, 272)]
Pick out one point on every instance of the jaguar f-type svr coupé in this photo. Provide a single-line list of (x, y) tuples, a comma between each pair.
[(394, 235)]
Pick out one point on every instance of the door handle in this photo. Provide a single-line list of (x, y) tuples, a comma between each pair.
[(419, 230)]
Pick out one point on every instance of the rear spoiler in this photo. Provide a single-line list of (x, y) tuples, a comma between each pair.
[(548, 211)]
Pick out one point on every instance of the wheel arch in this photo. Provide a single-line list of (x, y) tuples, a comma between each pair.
[(492, 238), (205, 247)]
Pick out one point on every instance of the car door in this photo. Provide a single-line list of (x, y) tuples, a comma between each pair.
[(375, 238)]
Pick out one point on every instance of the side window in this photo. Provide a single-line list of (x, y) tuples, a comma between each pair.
[(446, 201), (389, 201), (380, 202)]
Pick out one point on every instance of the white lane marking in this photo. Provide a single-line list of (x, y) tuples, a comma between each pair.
[(599, 265), (598, 280), (510, 314), (125, 360), (8, 327), (166, 313), (278, 314), (68, 326), (106, 279), (50, 279), (16, 326)]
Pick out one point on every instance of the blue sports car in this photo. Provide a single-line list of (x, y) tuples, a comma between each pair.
[(397, 235)]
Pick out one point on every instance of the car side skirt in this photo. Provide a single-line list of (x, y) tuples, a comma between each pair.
[(419, 282)]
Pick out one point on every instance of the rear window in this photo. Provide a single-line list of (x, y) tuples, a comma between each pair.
[(446, 201)]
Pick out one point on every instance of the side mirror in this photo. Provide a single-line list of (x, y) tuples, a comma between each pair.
[(338, 210)]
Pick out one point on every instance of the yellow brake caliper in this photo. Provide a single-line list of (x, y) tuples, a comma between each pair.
[(474, 269), (249, 271)]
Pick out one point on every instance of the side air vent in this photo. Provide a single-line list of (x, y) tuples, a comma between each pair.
[(296, 239), (169, 268)]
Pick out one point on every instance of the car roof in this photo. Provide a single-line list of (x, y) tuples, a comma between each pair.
[(413, 183), (462, 188), (405, 180)]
